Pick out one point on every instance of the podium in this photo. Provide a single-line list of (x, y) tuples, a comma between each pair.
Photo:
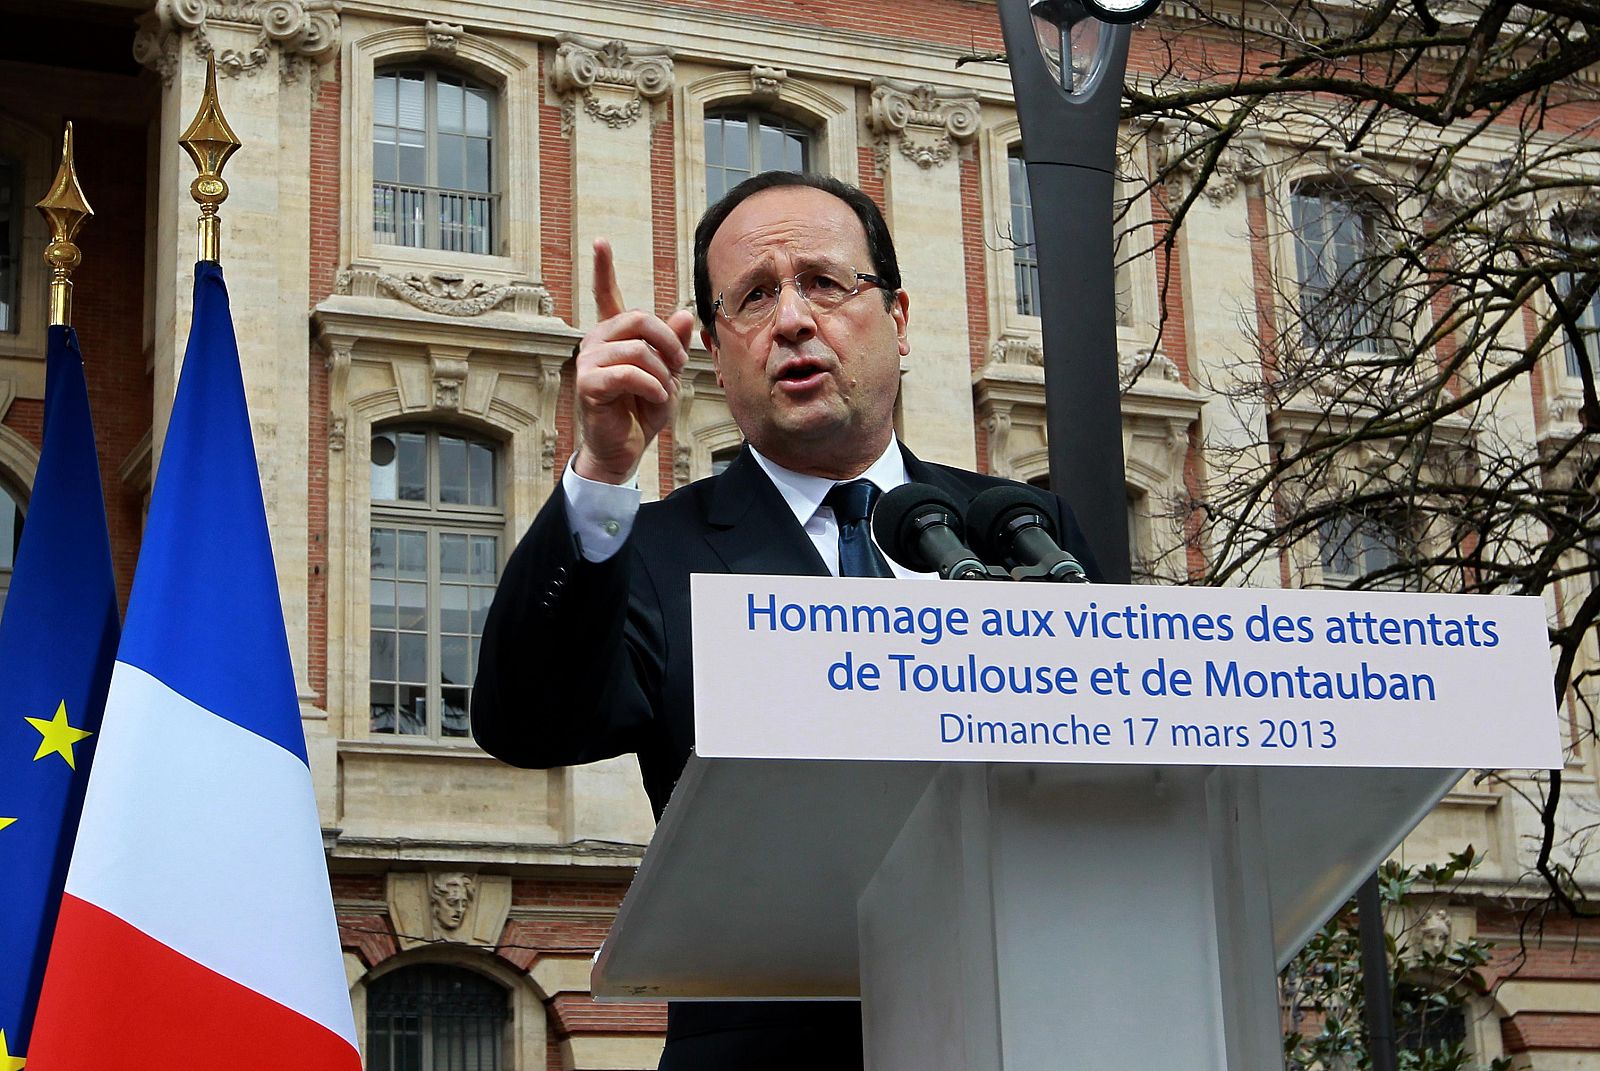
[(1000, 916), (1012, 915)]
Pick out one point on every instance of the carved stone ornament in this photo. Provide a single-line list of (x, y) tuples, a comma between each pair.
[(443, 37), (1347, 166), (298, 31), (445, 294), (1147, 364), (611, 79), (1564, 408), (448, 906), (1182, 152), (1487, 188), (1011, 350), (927, 122), (449, 373), (767, 82)]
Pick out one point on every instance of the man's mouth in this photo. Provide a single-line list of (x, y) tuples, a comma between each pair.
[(801, 373)]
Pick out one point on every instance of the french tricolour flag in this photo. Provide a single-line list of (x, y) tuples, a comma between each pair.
[(197, 930)]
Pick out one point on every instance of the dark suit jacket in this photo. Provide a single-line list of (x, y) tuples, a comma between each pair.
[(581, 661)]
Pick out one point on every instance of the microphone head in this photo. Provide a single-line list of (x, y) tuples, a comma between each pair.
[(991, 511), (905, 511)]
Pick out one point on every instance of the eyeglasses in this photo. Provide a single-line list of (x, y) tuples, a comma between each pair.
[(824, 288)]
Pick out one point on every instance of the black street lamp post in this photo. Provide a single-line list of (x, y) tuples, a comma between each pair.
[(1067, 62)]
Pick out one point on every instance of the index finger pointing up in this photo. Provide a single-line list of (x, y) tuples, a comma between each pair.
[(607, 294)]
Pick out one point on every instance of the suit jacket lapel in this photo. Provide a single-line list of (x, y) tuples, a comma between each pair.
[(751, 527)]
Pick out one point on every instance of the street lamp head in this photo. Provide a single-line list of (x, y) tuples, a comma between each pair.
[(1064, 13)]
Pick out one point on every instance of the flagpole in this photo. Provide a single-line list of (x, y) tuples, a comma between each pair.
[(65, 208), (209, 141)]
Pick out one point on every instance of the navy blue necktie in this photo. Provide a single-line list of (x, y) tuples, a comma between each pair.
[(852, 506)]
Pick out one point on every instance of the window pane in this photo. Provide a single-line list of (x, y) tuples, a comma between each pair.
[(412, 609), (409, 100), (461, 1014), (385, 473), (735, 144), (452, 470), (485, 558), (413, 555), (453, 661), (413, 462), (383, 552), (383, 718), (452, 608), (479, 103), (452, 106), (452, 557), (477, 164), (480, 473), (452, 165), (383, 603), (384, 95), (383, 656), (453, 722), (412, 648), (413, 710)]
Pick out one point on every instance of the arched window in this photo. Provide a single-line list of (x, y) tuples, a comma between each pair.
[(721, 459), (435, 1018), (436, 524), (433, 183), (1341, 270), (741, 142), (10, 537)]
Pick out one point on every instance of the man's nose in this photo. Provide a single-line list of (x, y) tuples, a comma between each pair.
[(794, 319)]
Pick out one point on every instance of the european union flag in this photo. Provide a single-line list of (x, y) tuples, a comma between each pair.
[(58, 638)]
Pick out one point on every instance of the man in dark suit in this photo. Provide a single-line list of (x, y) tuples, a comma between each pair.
[(585, 654)]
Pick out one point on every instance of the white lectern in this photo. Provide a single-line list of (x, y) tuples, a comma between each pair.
[(1008, 915)]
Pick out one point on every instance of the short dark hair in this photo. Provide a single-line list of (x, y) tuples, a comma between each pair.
[(880, 246)]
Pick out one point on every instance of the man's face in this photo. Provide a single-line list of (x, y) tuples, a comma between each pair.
[(813, 391)]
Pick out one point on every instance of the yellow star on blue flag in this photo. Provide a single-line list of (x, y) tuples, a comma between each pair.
[(56, 736), (58, 639), (7, 1061)]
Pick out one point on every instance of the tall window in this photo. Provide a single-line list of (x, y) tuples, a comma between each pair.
[(434, 1018), (432, 161), (1582, 240), (436, 523), (1024, 248), (10, 536), (1343, 299), (11, 215), (742, 143)]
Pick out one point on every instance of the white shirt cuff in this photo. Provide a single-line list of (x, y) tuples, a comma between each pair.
[(599, 514)]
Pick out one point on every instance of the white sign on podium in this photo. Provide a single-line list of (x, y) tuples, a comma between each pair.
[(888, 669)]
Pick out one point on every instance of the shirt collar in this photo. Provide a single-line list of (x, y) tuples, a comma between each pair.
[(804, 494)]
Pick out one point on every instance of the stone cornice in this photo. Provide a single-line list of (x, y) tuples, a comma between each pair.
[(926, 122), (299, 31), (611, 78)]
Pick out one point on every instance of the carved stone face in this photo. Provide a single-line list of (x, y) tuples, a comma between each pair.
[(1434, 933), (451, 894)]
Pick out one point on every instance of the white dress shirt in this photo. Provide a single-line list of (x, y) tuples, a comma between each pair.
[(601, 514)]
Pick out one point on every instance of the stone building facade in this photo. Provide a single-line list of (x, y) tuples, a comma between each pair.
[(407, 245)]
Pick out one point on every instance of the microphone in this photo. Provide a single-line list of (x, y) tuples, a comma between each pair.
[(920, 527), (1012, 524)]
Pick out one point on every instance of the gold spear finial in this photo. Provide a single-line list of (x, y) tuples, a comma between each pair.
[(65, 209), (209, 141)]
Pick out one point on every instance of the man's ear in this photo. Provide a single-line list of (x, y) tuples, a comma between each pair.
[(709, 341), (900, 311)]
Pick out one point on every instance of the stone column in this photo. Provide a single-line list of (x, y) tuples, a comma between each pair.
[(918, 129), (269, 55), (609, 92)]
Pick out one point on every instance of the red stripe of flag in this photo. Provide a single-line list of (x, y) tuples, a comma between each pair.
[(116, 998)]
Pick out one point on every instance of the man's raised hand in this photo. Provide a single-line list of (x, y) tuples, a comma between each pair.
[(627, 377)]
